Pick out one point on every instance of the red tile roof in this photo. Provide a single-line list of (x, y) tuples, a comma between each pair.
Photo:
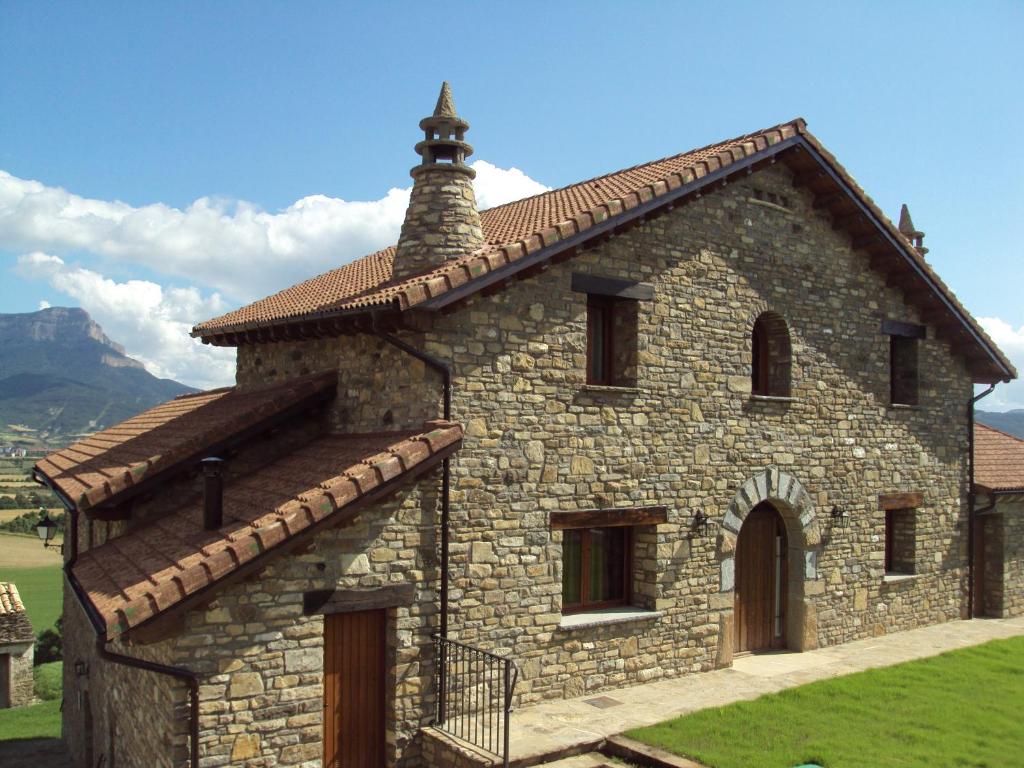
[(111, 462), (511, 231), (153, 568), (998, 460), (523, 227)]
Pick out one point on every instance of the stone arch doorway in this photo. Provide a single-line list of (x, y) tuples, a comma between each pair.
[(791, 504), (761, 593)]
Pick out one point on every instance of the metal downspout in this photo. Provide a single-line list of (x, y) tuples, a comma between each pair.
[(446, 371), (971, 497), (179, 673)]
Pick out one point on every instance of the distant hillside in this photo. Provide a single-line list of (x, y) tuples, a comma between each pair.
[(60, 375), (1011, 422)]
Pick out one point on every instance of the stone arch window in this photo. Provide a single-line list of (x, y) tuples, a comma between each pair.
[(771, 356)]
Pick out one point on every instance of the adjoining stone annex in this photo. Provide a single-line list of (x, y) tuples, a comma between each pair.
[(612, 433), (17, 645)]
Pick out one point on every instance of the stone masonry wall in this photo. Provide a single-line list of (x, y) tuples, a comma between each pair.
[(1012, 518), (19, 686), (261, 660), (689, 435), (130, 716)]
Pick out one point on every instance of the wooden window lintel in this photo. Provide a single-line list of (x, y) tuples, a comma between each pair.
[(907, 500), (605, 518)]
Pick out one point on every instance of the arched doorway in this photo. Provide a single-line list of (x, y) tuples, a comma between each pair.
[(762, 578)]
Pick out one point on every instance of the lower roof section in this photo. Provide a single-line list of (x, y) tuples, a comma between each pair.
[(173, 563), (998, 460), (107, 466)]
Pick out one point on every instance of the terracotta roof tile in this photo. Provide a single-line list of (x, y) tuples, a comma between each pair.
[(510, 230), (999, 460), (104, 465), (155, 567), (519, 228), (14, 624)]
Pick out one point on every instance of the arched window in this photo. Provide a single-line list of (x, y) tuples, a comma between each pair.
[(771, 356)]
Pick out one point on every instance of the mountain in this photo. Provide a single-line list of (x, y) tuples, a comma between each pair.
[(1011, 422), (60, 375)]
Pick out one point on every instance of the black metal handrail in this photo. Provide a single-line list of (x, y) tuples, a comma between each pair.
[(474, 695)]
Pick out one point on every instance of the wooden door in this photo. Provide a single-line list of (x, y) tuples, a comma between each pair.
[(760, 612), (354, 689)]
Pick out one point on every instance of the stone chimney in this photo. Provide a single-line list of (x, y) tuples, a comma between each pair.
[(442, 221), (909, 231)]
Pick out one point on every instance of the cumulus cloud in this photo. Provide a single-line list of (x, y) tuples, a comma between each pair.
[(1011, 341), (151, 321), (44, 304), (231, 246)]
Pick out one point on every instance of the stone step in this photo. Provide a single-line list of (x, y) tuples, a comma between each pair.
[(589, 760)]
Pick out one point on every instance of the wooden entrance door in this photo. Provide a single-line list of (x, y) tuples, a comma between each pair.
[(760, 614), (354, 689)]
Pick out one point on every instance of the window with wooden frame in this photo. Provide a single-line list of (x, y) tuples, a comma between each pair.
[(611, 341), (902, 370), (771, 356), (903, 361), (596, 568), (597, 554), (900, 541)]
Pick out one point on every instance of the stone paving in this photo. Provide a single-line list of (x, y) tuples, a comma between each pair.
[(574, 725)]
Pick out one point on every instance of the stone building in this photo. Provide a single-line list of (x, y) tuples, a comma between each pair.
[(615, 432), (17, 642), (998, 536)]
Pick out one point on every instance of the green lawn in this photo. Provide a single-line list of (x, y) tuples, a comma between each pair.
[(36, 721), (42, 591), (962, 708)]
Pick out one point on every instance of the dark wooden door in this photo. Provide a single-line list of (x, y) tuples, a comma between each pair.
[(760, 613), (354, 689)]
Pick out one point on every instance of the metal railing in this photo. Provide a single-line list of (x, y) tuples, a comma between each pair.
[(474, 695)]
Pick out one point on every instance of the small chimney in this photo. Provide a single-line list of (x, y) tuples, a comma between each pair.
[(213, 493), (909, 231), (442, 221)]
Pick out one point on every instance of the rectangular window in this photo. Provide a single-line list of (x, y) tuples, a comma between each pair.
[(903, 370), (595, 568), (611, 341), (900, 541)]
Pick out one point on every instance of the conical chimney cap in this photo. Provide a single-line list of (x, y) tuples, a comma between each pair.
[(445, 103)]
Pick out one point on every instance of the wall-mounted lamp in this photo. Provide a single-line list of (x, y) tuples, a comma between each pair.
[(701, 522), (839, 517), (47, 529)]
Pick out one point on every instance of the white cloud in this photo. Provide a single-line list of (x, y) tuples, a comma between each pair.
[(1011, 341), (231, 246), (44, 304), (151, 321)]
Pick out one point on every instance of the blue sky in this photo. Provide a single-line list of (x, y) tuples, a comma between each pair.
[(283, 120)]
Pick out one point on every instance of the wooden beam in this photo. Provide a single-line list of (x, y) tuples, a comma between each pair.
[(603, 518), (906, 500), (323, 601)]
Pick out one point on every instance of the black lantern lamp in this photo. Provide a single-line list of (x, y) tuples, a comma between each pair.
[(47, 529)]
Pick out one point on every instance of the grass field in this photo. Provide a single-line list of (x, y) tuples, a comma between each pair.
[(37, 574), (958, 709), (40, 720)]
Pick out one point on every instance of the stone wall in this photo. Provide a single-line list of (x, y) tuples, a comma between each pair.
[(1010, 521), (261, 659), (17, 688), (129, 716)]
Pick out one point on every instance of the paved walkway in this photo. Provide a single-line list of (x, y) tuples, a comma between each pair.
[(575, 725), (34, 753)]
